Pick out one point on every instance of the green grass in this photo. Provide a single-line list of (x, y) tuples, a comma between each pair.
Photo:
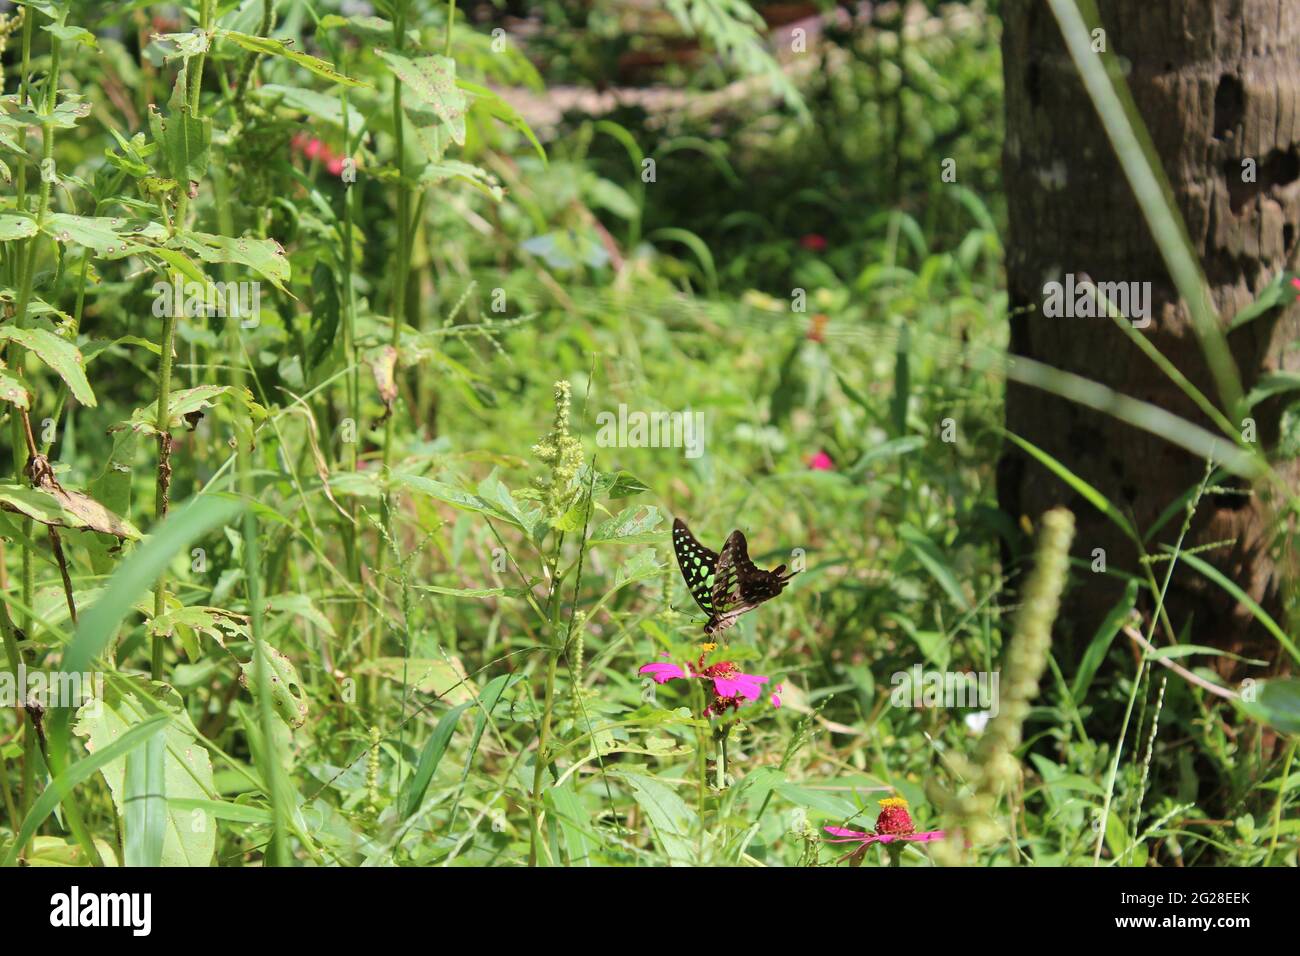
[(397, 607)]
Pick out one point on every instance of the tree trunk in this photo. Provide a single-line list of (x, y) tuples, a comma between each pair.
[(1216, 83)]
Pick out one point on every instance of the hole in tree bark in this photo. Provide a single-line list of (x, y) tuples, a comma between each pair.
[(1229, 105), (1279, 168)]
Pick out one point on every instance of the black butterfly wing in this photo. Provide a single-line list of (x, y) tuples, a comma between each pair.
[(697, 564), (739, 586)]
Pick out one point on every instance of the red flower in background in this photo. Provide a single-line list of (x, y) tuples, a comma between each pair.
[(314, 149), (821, 462), (813, 242), (817, 327)]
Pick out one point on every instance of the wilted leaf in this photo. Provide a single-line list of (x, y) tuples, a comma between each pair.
[(59, 508)]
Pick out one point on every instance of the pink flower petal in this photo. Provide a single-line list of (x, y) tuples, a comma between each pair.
[(853, 836), (747, 686), (662, 671)]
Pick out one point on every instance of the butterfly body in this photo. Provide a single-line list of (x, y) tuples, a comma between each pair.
[(725, 584)]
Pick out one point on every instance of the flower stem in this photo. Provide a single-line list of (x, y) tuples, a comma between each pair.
[(721, 737), (539, 768)]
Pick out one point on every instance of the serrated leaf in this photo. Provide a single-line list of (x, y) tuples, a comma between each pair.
[(183, 138), (264, 256), (217, 623), (282, 48), (186, 401), (59, 354), (109, 236)]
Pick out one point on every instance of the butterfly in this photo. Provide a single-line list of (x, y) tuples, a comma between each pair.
[(725, 585)]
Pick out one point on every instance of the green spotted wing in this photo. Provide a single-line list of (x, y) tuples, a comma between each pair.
[(697, 563)]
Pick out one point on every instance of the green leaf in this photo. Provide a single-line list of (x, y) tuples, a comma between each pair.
[(1268, 299), (77, 774), (222, 810), (616, 484), (499, 109), (108, 236), (1215, 575), (1087, 491), (1273, 383), (58, 353), (636, 524), (440, 170), (13, 391), (831, 805), (184, 139), (321, 106), (670, 818), (137, 574), (1101, 641), (282, 48), (429, 91), (146, 804), (430, 757), (931, 558), (1277, 703), (186, 401), (16, 227), (288, 699), (470, 592), (580, 841), (264, 256), (75, 35), (186, 771)]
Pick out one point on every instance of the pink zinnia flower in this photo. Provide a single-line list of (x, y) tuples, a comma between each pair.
[(731, 687), (1295, 284), (893, 823), (813, 242), (821, 462)]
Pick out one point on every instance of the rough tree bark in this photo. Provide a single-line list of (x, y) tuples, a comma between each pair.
[(1217, 82)]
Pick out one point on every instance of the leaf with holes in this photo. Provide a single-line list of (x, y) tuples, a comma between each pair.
[(287, 697)]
